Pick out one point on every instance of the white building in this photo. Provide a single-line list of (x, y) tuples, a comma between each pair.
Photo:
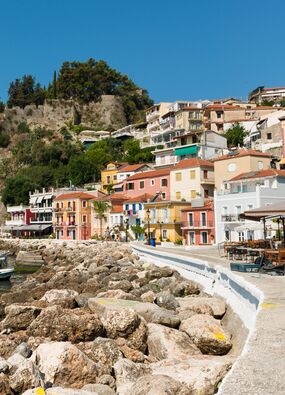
[(245, 192), (41, 207)]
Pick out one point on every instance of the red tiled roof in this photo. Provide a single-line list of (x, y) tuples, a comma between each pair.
[(113, 196), (75, 195), (244, 152), (193, 162), (223, 107), (259, 174), (117, 208), (209, 205), (140, 199), (150, 174), (132, 167)]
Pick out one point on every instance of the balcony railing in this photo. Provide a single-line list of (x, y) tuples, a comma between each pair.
[(198, 224), (232, 218), (41, 220), (15, 222), (208, 180)]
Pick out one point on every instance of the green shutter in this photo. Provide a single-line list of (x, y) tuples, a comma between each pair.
[(186, 150)]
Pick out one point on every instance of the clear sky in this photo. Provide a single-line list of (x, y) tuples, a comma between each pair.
[(183, 49)]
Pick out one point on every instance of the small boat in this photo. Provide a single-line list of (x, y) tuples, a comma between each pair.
[(5, 272)]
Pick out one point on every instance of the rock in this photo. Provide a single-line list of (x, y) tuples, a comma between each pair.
[(26, 376), (61, 325), (4, 367), (100, 389), (66, 391), (184, 288), (215, 306), (5, 388), (8, 343), (116, 294), (148, 297), (24, 350), (120, 323), (164, 282), (107, 379), (100, 305), (105, 351), (131, 354), (164, 342), (207, 333), (159, 385), (62, 297), (126, 373), (123, 285), (166, 300), (82, 299), (19, 317), (137, 339), (202, 373), (152, 313), (62, 363), (158, 272), (14, 362)]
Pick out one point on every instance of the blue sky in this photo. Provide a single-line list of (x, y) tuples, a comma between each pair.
[(176, 49)]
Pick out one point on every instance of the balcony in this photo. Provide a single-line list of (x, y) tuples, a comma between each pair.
[(70, 209), (15, 222), (198, 225), (41, 221), (20, 208), (232, 218), (208, 180)]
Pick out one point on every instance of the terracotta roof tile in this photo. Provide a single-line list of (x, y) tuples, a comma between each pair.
[(75, 195), (259, 174), (132, 167), (149, 174), (244, 152), (193, 162)]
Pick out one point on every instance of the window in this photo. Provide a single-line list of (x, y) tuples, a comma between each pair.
[(204, 237), (178, 195), (227, 235), (205, 174), (240, 236), (192, 174), (203, 219), (130, 186), (250, 206), (191, 238), (140, 206), (108, 179), (163, 195), (69, 204), (260, 165), (178, 176), (57, 205), (194, 139), (84, 218), (269, 136), (114, 177), (219, 114), (190, 216), (127, 207), (206, 193), (141, 184), (232, 167), (164, 233), (193, 194), (84, 204), (152, 183), (164, 182)]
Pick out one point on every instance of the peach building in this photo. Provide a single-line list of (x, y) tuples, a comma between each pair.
[(72, 216)]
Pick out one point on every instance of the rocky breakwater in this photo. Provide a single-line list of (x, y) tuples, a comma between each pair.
[(95, 319)]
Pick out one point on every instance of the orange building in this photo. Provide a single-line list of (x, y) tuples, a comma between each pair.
[(72, 216)]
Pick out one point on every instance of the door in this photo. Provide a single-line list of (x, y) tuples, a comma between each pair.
[(191, 238), (204, 237), (74, 235)]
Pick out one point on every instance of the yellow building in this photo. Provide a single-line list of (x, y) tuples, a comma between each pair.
[(164, 220), (109, 175)]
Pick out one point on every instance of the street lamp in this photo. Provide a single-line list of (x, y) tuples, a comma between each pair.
[(148, 225), (160, 223), (127, 227)]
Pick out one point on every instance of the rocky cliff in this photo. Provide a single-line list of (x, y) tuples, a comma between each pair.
[(54, 114)]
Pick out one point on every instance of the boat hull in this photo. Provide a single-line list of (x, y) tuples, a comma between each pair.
[(5, 274)]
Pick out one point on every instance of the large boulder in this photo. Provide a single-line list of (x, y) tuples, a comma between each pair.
[(164, 342), (5, 388), (19, 317), (26, 376), (153, 313), (166, 300), (62, 325), (201, 373), (61, 363), (203, 305), (61, 297), (159, 385), (120, 323), (58, 391), (208, 334), (99, 389), (104, 351), (9, 343), (184, 288), (126, 373)]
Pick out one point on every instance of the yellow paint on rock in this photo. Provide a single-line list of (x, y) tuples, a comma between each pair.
[(267, 305), (40, 391), (219, 336)]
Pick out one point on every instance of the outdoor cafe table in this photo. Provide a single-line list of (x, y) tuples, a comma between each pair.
[(247, 250)]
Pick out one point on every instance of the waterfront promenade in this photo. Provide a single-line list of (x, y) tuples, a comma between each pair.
[(260, 370)]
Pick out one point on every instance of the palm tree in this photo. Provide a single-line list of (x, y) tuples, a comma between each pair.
[(100, 208)]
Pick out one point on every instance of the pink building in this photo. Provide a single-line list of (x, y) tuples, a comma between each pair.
[(150, 182), (199, 224)]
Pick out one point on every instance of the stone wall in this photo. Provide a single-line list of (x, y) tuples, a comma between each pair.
[(54, 114)]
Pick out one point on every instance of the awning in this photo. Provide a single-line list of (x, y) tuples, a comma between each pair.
[(48, 196), (32, 228), (192, 150), (40, 199), (275, 209), (282, 161), (33, 200)]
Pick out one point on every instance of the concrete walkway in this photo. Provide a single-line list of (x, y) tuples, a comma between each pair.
[(260, 370)]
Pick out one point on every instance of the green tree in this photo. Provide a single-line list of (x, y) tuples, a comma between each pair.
[(4, 139), (235, 135), (134, 154), (2, 106), (24, 91), (101, 207)]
